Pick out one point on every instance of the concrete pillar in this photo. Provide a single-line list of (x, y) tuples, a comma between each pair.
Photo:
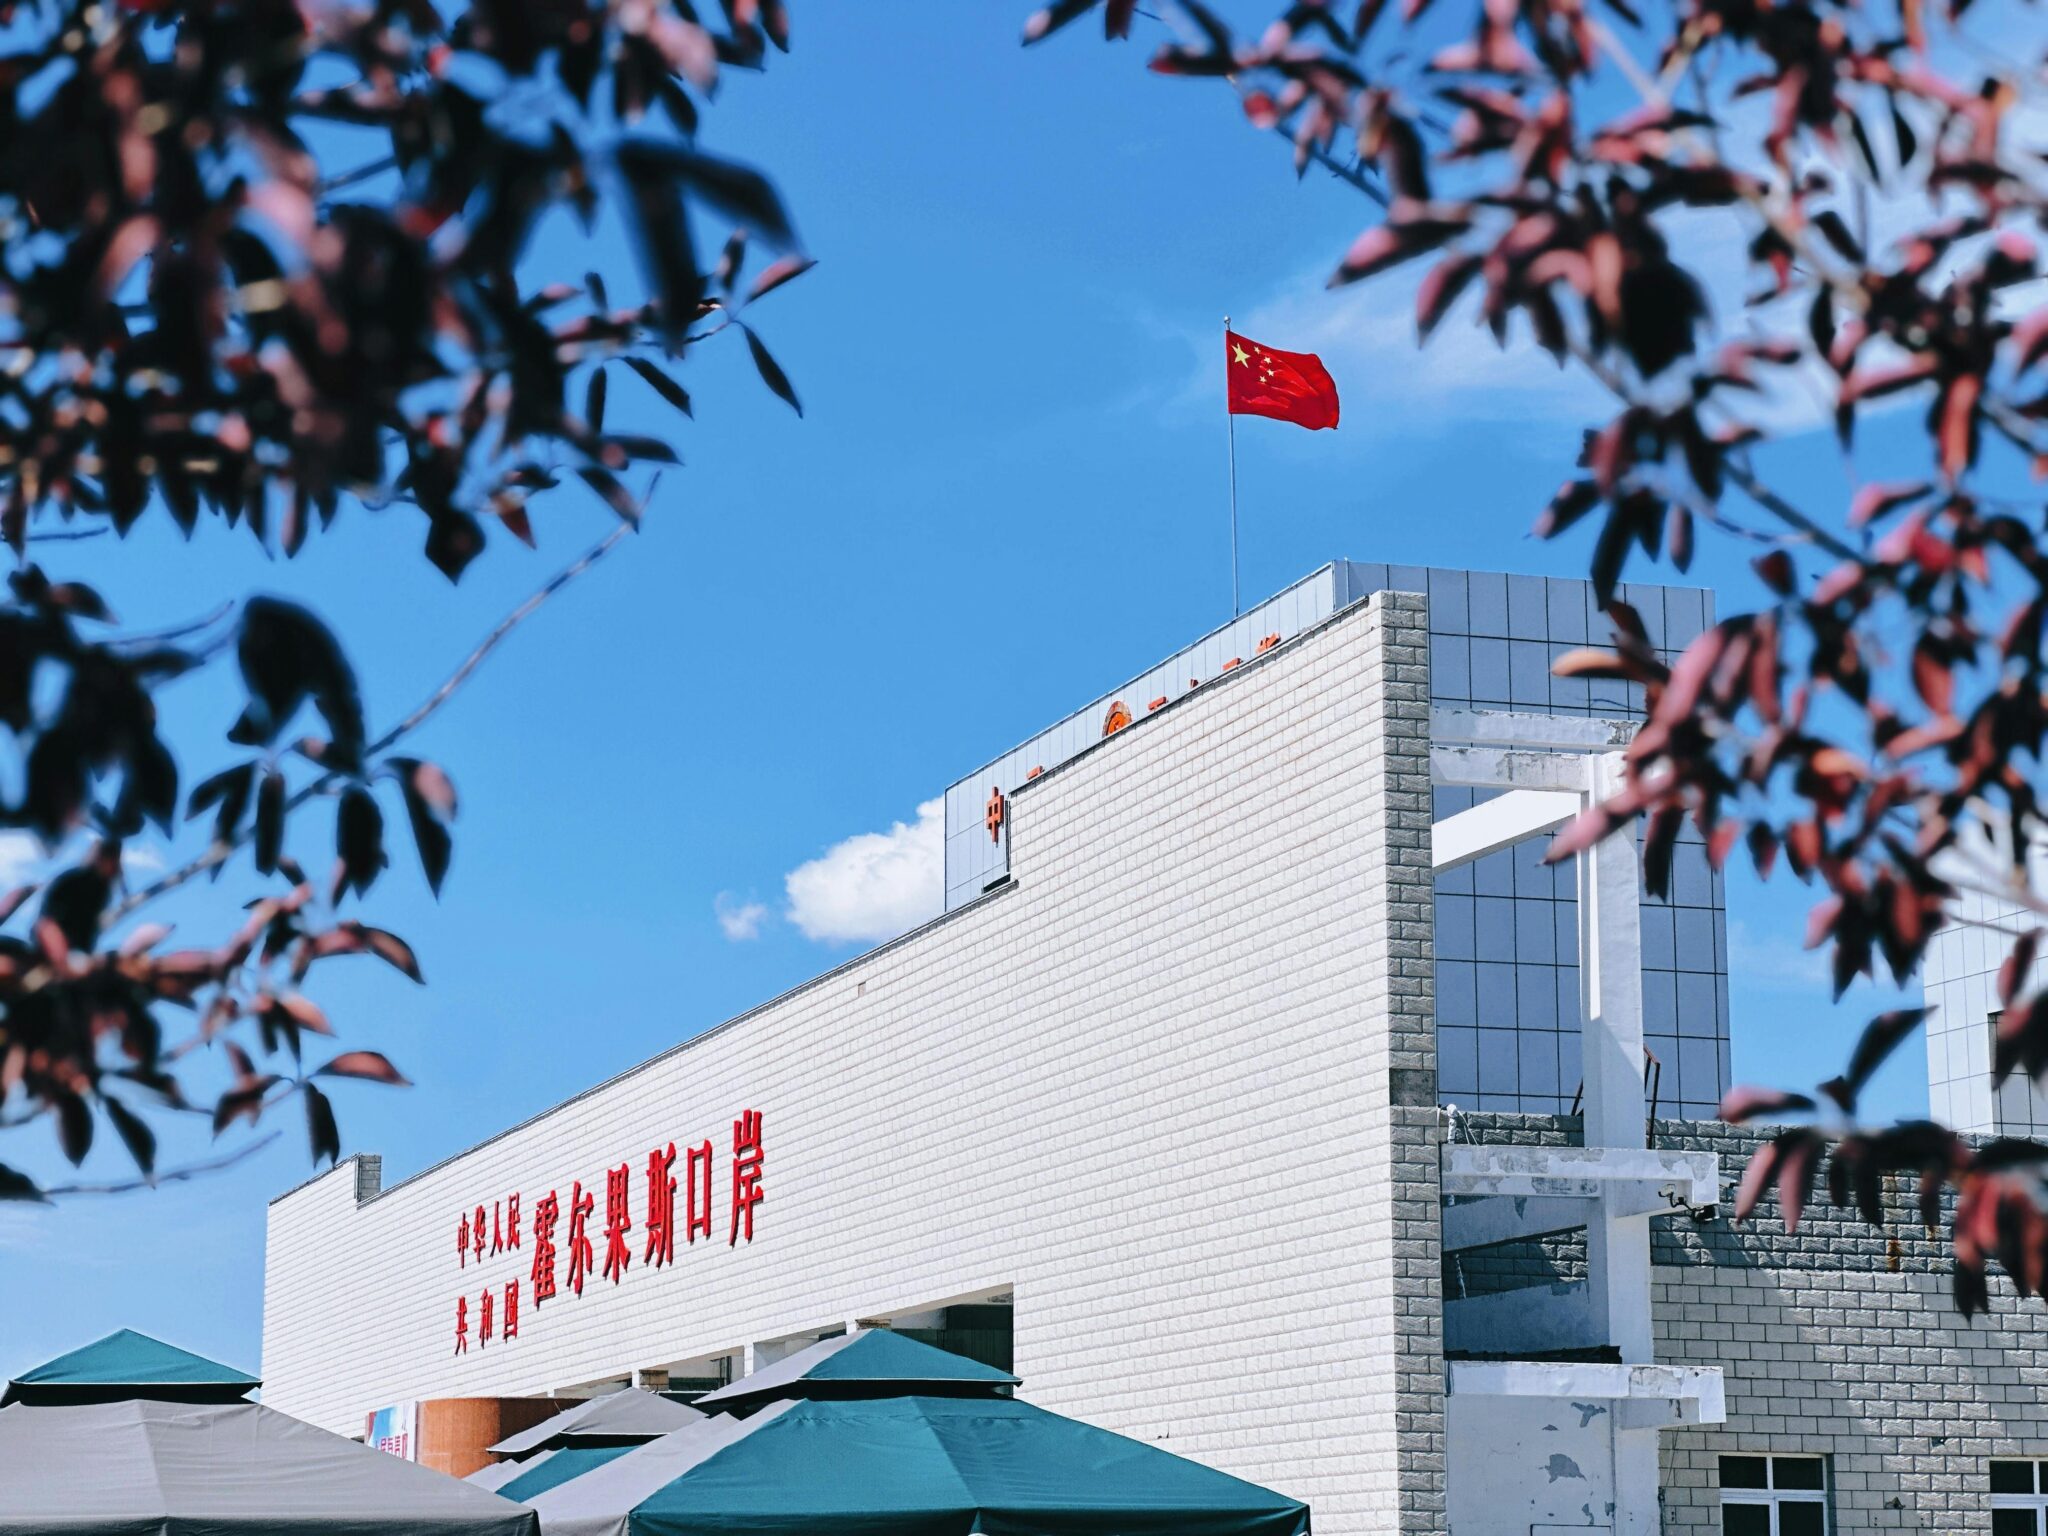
[(1616, 1115), (1636, 1511), (1610, 978), (651, 1378)]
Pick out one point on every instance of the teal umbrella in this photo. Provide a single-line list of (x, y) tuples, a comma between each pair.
[(870, 1362), (908, 1466), (128, 1365), (551, 1469)]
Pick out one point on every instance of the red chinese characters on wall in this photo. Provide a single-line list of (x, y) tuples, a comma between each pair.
[(503, 1224), (661, 1206), (746, 1173), (546, 1212), (697, 1169), (484, 1232), (618, 1221), (580, 1255)]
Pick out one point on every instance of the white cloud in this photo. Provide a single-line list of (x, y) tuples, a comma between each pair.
[(739, 920), (1394, 387), (23, 859), (1365, 335), (1774, 961), (23, 1226), (874, 885), (1391, 385)]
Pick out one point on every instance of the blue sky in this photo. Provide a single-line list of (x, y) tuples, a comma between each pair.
[(1007, 492)]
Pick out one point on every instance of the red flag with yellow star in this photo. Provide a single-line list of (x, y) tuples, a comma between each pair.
[(1287, 386)]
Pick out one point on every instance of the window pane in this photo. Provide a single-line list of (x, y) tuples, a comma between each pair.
[(1743, 1472), (2012, 1477), (1796, 1472), (2013, 1522), (1799, 1518), (1750, 1520)]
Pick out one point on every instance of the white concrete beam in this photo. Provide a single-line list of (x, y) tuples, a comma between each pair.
[(1499, 823), (1500, 768), (1592, 1381), (1516, 728), (1666, 1413), (1632, 1180)]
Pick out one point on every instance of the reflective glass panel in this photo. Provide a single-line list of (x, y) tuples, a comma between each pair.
[(1743, 1472), (1796, 1472)]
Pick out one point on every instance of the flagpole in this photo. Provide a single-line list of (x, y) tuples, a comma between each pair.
[(1236, 607)]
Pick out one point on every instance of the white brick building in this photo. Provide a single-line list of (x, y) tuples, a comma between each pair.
[(1163, 1083)]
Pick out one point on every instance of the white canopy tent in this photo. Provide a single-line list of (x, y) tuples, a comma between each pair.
[(149, 1468), (629, 1415)]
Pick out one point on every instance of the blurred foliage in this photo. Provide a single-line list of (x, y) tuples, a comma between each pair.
[(1877, 723), (261, 263)]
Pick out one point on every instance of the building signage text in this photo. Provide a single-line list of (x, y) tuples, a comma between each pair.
[(563, 1249)]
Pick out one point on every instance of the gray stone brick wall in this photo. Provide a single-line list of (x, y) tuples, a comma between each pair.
[(1839, 1340), (1874, 1370), (1827, 1238), (1405, 1214), (1487, 1127)]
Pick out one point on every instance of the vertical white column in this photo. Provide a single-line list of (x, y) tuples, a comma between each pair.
[(1611, 1046), (1611, 1006), (1610, 977), (1610, 992)]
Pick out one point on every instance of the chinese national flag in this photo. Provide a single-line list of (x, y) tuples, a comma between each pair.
[(1287, 386)]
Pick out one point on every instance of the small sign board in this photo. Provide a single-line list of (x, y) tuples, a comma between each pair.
[(395, 1431)]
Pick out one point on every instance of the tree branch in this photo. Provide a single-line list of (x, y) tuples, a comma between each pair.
[(349, 178), (175, 631), (506, 625), (1738, 470), (170, 1176), (219, 852)]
